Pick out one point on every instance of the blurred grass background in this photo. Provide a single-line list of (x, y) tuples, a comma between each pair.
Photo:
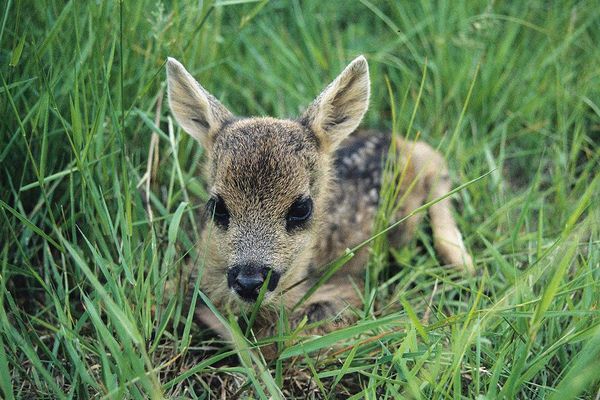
[(82, 310)]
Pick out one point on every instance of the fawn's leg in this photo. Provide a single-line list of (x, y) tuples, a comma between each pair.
[(331, 302), (206, 317), (430, 167)]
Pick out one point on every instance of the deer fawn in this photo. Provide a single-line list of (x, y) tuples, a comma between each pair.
[(290, 195)]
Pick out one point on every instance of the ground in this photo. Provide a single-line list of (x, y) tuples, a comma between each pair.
[(508, 91)]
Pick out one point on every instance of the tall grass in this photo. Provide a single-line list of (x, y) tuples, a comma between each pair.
[(506, 88)]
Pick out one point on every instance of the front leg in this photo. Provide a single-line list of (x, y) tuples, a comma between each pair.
[(206, 317), (261, 330), (328, 309)]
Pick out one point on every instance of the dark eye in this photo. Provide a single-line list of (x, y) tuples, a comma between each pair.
[(299, 213), (217, 210)]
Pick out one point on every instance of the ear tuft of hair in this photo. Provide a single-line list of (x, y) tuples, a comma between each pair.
[(338, 110), (198, 112)]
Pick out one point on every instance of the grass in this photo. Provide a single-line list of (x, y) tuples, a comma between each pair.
[(507, 89)]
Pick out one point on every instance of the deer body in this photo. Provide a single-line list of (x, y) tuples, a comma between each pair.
[(289, 196)]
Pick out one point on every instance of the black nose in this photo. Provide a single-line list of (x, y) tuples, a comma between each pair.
[(247, 279)]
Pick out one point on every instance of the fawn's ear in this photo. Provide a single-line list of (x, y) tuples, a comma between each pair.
[(198, 112), (339, 109)]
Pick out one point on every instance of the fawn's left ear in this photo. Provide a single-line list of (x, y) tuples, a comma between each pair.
[(339, 109), (198, 112)]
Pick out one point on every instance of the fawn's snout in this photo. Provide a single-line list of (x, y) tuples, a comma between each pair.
[(247, 279)]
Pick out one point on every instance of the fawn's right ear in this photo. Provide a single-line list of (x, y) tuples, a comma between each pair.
[(198, 112), (340, 107)]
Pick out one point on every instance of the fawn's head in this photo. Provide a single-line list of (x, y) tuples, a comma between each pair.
[(267, 179)]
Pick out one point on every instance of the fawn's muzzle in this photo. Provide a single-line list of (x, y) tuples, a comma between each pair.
[(247, 279)]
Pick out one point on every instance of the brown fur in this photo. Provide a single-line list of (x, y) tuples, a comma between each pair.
[(260, 166)]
